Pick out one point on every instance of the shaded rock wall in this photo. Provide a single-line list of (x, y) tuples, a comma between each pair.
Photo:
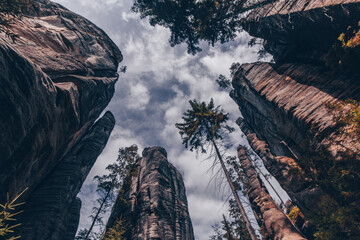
[(290, 101), (277, 224), (155, 204), (286, 115), (288, 124), (50, 209), (56, 79), (301, 30)]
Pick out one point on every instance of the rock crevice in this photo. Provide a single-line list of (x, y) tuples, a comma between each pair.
[(154, 204), (286, 108)]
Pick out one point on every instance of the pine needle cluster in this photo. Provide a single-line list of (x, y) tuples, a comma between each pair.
[(7, 215), (116, 232), (202, 123)]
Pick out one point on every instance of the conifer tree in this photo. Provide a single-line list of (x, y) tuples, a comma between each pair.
[(233, 228), (7, 215), (108, 186), (116, 232), (237, 223), (228, 230), (218, 234), (191, 21), (206, 124)]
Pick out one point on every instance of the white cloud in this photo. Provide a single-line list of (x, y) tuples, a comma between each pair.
[(156, 68), (201, 206), (139, 97)]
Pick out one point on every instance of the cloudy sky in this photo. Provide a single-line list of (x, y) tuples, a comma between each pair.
[(151, 97)]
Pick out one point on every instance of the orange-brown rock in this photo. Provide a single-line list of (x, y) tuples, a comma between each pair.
[(278, 225)]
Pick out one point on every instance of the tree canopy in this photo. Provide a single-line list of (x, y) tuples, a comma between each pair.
[(192, 20), (202, 123)]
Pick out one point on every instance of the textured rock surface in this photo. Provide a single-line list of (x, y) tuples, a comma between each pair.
[(72, 219), (303, 191), (286, 106), (156, 205), (50, 211), (286, 115), (55, 81), (278, 225), (301, 30)]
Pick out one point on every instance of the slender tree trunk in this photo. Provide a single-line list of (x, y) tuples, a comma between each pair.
[(228, 229), (277, 224), (236, 196), (97, 214), (270, 184)]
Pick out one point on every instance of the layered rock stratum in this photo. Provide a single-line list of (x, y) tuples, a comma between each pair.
[(286, 106), (55, 80), (154, 204)]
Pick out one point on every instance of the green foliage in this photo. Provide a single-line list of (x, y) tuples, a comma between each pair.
[(237, 222), (108, 186), (223, 82), (346, 114), (7, 214), (344, 55), (203, 123), (233, 228), (294, 214), (10, 10), (191, 21), (116, 232), (218, 235), (338, 217), (334, 222)]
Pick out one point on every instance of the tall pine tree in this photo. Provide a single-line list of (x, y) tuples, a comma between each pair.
[(206, 124)]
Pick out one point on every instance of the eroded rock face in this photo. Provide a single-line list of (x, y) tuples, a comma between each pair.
[(286, 117), (277, 224), (301, 30), (289, 102), (156, 203), (51, 210), (56, 79), (304, 192), (285, 105)]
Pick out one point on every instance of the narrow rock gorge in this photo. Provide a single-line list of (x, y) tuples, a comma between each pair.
[(58, 76), (153, 202), (55, 80), (286, 108)]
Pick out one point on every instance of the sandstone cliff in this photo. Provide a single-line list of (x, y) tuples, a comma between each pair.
[(285, 108), (301, 30), (154, 203), (55, 81), (277, 224)]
